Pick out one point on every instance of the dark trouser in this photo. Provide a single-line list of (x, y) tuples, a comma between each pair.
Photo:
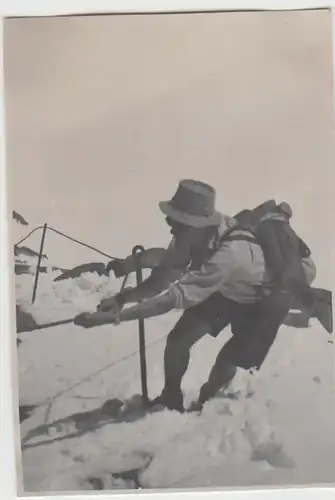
[(254, 328)]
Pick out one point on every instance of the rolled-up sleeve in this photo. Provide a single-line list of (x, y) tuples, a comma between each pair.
[(196, 286)]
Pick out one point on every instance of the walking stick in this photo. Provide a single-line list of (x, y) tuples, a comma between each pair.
[(137, 250)]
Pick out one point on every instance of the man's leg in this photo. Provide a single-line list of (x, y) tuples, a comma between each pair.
[(220, 376), (208, 317), (190, 328), (254, 331)]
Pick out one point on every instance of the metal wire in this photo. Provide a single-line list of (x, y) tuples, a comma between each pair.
[(69, 238), (29, 234)]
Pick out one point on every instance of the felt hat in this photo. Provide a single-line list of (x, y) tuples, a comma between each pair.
[(193, 205)]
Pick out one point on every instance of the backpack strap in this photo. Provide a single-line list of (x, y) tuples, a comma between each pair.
[(242, 237), (230, 236)]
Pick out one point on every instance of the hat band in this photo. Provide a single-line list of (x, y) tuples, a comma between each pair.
[(195, 209)]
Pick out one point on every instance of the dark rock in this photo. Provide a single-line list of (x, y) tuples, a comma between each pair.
[(24, 321), (25, 411), (91, 267), (19, 219), (23, 250)]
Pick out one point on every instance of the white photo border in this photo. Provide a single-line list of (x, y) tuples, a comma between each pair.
[(9, 438)]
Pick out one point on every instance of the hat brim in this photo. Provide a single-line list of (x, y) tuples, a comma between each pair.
[(187, 219)]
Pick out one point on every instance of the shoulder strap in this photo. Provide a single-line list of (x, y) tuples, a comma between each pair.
[(230, 236), (242, 237), (226, 236)]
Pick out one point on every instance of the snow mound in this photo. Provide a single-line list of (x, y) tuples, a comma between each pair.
[(262, 432)]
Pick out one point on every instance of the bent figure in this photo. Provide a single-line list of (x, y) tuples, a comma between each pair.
[(214, 270)]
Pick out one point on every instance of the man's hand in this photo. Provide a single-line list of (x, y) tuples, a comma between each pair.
[(118, 267), (90, 320), (113, 304), (109, 305)]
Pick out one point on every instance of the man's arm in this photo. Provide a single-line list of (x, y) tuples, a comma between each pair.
[(191, 288), (147, 309), (194, 287), (158, 281), (170, 269)]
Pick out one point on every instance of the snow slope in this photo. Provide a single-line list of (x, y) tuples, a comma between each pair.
[(282, 435)]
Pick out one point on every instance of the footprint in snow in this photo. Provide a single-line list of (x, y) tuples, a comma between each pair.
[(273, 453)]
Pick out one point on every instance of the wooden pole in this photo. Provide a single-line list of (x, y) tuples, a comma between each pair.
[(39, 263), (137, 250)]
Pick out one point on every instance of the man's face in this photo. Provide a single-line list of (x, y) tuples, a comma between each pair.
[(195, 237), (176, 228)]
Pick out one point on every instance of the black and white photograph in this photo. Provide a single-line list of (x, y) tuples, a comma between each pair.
[(170, 191)]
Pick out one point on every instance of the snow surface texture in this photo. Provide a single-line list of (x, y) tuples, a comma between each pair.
[(283, 434)]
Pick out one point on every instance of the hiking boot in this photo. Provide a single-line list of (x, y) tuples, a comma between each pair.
[(172, 400), (195, 407)]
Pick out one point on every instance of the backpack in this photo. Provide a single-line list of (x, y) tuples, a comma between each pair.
[(283, 252), (283, 249)]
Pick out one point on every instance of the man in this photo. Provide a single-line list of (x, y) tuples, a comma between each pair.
[(214, 270)]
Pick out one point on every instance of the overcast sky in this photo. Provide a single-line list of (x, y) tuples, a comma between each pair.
[(106, 114)]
